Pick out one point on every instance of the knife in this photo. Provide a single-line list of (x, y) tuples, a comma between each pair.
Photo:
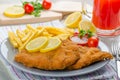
[(118, 68)]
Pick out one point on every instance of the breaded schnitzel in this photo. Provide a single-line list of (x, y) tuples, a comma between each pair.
[(64, 56), (68, 56), (89, 56)]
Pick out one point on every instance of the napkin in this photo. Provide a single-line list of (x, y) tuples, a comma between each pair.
[(108, 72)]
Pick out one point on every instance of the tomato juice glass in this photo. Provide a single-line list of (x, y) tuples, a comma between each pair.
[(106, 16)]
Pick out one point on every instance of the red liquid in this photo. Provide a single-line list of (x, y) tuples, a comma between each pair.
[(106, 14)]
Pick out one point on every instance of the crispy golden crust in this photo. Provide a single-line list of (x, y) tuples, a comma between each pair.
[(68, 56), (89, 56), (58, 59)]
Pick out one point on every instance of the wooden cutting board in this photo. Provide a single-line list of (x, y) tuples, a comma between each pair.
[(45, 16)]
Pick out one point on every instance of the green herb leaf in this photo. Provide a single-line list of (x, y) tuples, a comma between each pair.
[(37, 7), (24, 3), (32, 3), (82, 33), (36, 13), (90, 33)]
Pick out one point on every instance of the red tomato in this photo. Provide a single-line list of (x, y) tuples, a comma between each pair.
[(29, 8), (46, 4), (93, 41)]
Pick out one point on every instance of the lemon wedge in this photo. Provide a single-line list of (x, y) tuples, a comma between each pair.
[(53, 43), (73, 20), (37, 43), (14, 12), (87, 25)]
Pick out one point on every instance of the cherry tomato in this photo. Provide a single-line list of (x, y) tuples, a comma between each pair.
[(29, 8), (46, 4), (93, 41)]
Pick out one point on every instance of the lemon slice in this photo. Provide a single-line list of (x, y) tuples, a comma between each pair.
[(87, 25), (37, 43), (73, 20), (53, 43), (14, 12), (63, 36)]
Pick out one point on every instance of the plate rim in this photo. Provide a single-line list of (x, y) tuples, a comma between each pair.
[(48, 75)]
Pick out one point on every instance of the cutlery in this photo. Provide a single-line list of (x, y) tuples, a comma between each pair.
[(113, 44), (116, 51), (118, 68)]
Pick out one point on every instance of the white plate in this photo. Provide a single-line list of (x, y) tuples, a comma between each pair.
[(5, 72), (8, 52), (68, 6)]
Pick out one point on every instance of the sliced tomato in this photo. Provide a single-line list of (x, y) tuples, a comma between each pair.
[(80, 41), (93, 41)]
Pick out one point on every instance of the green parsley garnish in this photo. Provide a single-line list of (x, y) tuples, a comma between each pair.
[(83, 33), (37, 7)]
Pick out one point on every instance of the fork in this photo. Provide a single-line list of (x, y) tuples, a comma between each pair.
[(115, 49), (112, 44)]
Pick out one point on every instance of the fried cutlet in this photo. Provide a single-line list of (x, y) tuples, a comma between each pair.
[(59, 59), (89, 56), (68, 56)]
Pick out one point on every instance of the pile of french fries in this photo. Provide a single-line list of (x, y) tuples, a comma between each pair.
[(21, 38)]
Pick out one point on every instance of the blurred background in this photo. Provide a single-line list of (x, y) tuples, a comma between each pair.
[(13, 1), (19, 1)]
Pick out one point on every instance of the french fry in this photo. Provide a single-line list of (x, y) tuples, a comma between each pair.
[(26, 31), (45, 33), (39, 27), (39, 32), (70, 31), (18, 40), (23, 37), (11, 38), (30, 27), (30, 38), (20, 34), (63, 36), (55, 31), (26, 36)]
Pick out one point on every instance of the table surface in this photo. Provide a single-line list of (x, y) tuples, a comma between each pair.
[(16, 1)]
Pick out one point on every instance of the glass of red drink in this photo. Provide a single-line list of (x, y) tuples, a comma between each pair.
[(106, 16)]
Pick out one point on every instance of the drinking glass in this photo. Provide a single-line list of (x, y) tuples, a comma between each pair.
[(106, 16)]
